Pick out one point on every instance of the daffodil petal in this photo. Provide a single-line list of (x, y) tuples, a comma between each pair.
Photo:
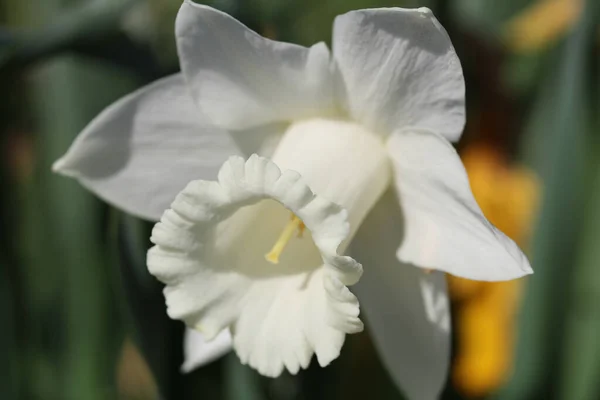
[(143, 149), (399, 68), (406, 309), (444, 227), (209, 251), (261, 140), (198, 352), (241, 80)]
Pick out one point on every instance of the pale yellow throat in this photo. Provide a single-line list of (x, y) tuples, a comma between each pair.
[(294, 225)]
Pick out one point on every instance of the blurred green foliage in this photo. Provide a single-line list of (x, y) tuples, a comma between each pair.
[(73, 278), (560, 144)]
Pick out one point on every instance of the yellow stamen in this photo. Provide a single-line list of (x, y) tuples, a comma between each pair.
[(294, 224), (300, 229)]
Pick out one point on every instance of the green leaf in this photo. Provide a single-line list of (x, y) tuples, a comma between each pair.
[(72, 228), (10, 347), (581, 349), (557, 141)]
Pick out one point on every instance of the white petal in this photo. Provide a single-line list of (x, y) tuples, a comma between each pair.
[(400, 70), (406, 309), (210, 253), (242, 80), (261, 140), (198, 352), (143, 149), (444, 227)]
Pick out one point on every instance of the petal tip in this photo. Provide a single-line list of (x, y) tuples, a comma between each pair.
[(191, 3), (61, 166), (185, 17), (58, 165), (425, 12)]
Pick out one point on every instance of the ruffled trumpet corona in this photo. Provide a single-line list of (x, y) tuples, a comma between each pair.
[(328, 174)]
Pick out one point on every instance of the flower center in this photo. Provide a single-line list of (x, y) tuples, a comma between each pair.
[(294, 225), (340, 161)]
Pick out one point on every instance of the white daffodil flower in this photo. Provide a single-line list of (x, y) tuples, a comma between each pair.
[(354, 161)]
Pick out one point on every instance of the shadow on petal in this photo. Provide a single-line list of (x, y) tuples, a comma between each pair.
[(406, 308)]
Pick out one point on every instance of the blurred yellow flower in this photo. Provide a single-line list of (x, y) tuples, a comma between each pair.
[(540, 24), (508, 196)]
